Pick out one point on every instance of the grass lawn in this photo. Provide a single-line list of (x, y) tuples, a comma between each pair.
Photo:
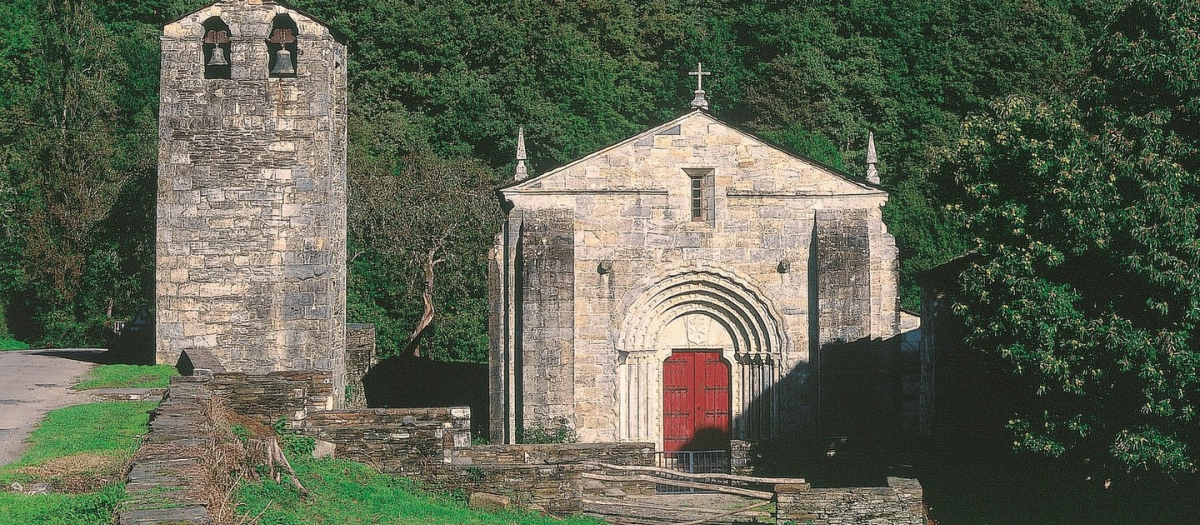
[(128, 376), (79, 451), (8, 343), (346, 492)]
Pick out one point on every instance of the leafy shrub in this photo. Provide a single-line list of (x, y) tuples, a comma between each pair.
[(293, 445)]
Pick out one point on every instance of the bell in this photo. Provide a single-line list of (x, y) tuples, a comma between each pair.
[(283, 63), (218, 57)]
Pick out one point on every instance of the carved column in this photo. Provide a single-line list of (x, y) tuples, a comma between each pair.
[(637, 375)]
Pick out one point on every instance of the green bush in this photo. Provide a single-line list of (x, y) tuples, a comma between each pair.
[(293, 445), (8, 343)]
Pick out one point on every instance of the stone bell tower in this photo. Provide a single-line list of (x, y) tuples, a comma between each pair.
[(251, 239)]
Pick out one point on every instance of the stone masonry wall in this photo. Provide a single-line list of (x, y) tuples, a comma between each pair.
[(899, 503), (542, 477), (360, 357), (553, 454), (430, 444), (434, 445), (406, 441), (292, 395), (164, 474), (843, 276), (547, 317), (251, 240)]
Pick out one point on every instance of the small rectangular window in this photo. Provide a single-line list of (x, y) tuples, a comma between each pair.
[(701, 193)]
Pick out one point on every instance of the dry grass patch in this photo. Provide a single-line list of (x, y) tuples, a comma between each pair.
[(78, 473)]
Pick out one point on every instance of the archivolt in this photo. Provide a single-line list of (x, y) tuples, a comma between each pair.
[(734, 302)]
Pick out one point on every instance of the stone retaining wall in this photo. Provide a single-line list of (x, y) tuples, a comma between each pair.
[(406, 441), (434, 444), (899, 503), (292, 394), (542, 477)]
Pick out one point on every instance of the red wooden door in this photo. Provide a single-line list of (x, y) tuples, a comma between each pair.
[(695, 402)]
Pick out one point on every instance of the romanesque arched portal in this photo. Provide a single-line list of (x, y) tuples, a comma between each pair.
[(711, 311)]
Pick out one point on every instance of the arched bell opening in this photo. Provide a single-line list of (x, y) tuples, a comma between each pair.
[(216, 48), (281, 47)]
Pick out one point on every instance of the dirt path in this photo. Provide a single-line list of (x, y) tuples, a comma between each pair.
[(33, 382)]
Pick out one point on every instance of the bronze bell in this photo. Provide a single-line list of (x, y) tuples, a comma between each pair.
[(283, 63), (218, 57)]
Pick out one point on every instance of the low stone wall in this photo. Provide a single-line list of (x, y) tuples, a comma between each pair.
[(160, 488), (899, 503), (407, 441), (360, 357), (556, 489), (434, 445), (429, 444), (542, 477), (293, 394)]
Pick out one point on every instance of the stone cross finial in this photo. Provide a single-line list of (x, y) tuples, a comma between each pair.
[(872, 159), (522, 171), (699, 102)]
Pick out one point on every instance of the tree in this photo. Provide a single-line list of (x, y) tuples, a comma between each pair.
[(428, 215), (65, 161), (1085, 220)]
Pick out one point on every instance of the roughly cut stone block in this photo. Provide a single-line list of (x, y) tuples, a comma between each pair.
[(488, 502)]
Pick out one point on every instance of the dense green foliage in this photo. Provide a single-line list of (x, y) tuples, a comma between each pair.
[(76, 168), (345, 492), (1085, 220), (447, 83), (108, 429), (128, 376)]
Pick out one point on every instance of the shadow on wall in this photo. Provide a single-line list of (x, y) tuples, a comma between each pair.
[(862, 396), (708, 438), (416, 382)]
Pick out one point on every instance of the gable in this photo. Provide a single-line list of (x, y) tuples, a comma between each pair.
[(650, 161)]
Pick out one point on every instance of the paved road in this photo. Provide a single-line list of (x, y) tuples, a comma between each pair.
[(33, 382)]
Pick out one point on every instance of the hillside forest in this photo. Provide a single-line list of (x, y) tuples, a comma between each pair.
[(1055, 141)]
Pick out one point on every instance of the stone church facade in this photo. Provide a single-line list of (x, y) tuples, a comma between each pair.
[(251, 238), (681, 287)]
